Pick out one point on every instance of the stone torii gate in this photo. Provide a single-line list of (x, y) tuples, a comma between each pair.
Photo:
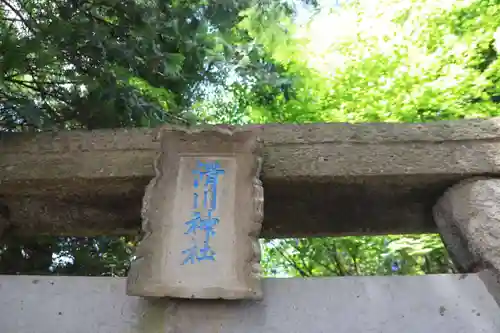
[(319, 180)]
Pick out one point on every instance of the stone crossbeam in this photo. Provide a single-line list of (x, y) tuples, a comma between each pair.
[(319, 179)]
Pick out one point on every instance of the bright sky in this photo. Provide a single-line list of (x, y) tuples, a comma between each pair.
[(323, 28)]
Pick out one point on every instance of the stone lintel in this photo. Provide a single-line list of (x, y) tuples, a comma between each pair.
[(319, 179)]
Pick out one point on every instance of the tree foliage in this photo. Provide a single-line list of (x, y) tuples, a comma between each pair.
[(397, 61), (366, 255), (107, 63), (393, 61)]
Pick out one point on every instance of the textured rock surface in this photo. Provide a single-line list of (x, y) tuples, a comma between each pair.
[(202, 214), (468, 218)]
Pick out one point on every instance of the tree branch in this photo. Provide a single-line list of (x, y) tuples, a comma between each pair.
[(340, 266), (19, 15), (293, 263)]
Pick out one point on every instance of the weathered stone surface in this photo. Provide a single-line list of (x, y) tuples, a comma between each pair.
[(491, 280), (202, 214), (340, 178), (388, 304), (468, 218)]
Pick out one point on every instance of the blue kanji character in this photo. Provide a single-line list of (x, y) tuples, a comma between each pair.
[(209, 170), (206, 224), (205, 253)]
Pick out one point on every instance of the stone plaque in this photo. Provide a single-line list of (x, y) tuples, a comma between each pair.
[(202, 215)]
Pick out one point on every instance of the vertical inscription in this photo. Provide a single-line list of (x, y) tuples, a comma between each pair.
[(203, 218)]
